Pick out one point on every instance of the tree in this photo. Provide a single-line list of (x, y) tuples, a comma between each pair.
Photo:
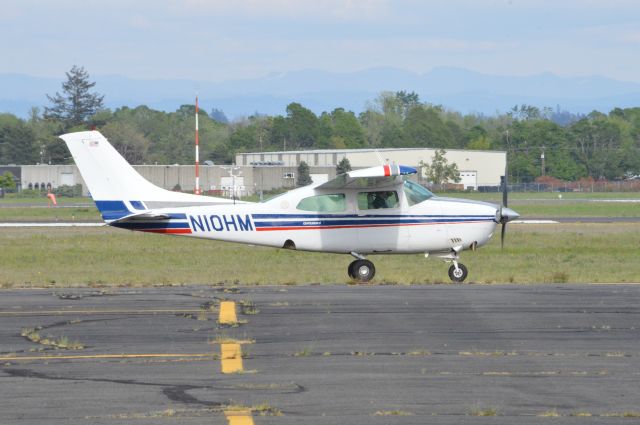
[(304, 178), (302, 125), (127, 140), (219, 116), (423, 127), (16, 141), (76, 103), (439, 171), (344, 166), (7, 181)]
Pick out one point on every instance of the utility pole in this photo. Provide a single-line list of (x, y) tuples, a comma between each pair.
[(197, 188), (542, 162)]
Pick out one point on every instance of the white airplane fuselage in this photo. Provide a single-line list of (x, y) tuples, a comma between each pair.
[(434, 225)]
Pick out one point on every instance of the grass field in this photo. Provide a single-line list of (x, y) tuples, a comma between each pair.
[(106, 257), (542, 204)]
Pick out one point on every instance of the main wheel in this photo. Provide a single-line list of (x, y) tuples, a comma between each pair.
[(459, 274), (363, 270), (351, 270)]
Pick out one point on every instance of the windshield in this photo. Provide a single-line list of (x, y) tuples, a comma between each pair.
[(416, 193)]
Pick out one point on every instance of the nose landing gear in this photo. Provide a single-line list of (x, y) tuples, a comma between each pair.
[(458, 272)]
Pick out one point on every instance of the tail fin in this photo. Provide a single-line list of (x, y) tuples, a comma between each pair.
[(115, 185)]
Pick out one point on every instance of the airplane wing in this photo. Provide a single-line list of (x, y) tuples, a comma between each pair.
[(369, 178)]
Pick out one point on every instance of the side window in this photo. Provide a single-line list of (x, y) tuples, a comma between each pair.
[(377, 200), (324, 203)]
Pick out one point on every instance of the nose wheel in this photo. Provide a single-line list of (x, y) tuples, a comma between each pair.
[(361, 270), (458, 272)]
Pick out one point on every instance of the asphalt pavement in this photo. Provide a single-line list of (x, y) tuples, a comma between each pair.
[(441, 354)]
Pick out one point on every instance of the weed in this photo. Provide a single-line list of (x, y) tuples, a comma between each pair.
[(63, 342), (248, 308), (487, 411), (419, 353), (305, 352), (392, 413), (549, 414)]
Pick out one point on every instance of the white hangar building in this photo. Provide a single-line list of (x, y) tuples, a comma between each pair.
[(477, 167)]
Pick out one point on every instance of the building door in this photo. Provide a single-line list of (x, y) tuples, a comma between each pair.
[(469, 179)]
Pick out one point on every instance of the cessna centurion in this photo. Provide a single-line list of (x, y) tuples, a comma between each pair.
[(369, 211)]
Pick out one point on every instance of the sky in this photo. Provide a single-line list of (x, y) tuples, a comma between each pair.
[(212, 40)]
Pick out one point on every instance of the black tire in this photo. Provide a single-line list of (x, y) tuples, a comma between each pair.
[(458, 275), (351, 270), (363, 270)]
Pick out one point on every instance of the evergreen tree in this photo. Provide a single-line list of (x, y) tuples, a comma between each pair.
[(344, 166), (304, 178), (76, 103)]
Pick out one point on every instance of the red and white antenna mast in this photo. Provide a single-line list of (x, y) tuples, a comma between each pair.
[(197, 188)]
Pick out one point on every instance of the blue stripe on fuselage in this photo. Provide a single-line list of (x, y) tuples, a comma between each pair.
[(367, 222), (151, 225), (342, 216)]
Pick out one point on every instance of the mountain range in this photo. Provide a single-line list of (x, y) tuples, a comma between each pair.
[(458, 89)]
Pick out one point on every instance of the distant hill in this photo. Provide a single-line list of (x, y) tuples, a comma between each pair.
[(455, 88)]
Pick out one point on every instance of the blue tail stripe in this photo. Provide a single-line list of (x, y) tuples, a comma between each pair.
[(112, 210)]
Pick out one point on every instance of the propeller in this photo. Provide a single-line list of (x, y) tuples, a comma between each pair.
[(505, 214)]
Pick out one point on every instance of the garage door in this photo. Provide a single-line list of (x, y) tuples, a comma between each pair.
[(469, 179)]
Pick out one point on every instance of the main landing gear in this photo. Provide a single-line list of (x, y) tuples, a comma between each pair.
[(361, 269)]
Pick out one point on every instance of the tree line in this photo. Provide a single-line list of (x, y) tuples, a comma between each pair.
[(597, 145)]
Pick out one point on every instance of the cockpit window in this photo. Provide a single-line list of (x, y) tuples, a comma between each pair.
[(377, 200), (324, 203), (416, 193)]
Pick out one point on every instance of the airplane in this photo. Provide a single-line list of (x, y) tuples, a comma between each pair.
[(375, 210)]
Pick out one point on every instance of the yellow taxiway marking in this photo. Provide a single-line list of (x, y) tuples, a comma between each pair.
[(228, 313), (239, 417), (231, 358), (70, 311), (105, 356)]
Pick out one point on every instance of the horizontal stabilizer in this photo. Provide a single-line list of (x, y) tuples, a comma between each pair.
[(143, 217)]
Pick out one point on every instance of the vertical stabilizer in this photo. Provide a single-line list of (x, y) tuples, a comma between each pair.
[(116, 187)]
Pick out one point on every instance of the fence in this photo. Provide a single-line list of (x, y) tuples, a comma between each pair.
[(579, 186)]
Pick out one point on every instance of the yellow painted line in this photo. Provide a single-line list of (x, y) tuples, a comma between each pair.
[(105, 356), (52, 312), (227, 313), (239, 417), (231, 358)]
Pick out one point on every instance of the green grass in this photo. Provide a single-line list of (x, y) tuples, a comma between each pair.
[(107, 256), (576, 209), (45, 214), (13, 198), (524, 196), (547, 204), (36, 209)]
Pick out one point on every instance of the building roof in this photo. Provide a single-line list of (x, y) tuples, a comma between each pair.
[(365, 150)]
